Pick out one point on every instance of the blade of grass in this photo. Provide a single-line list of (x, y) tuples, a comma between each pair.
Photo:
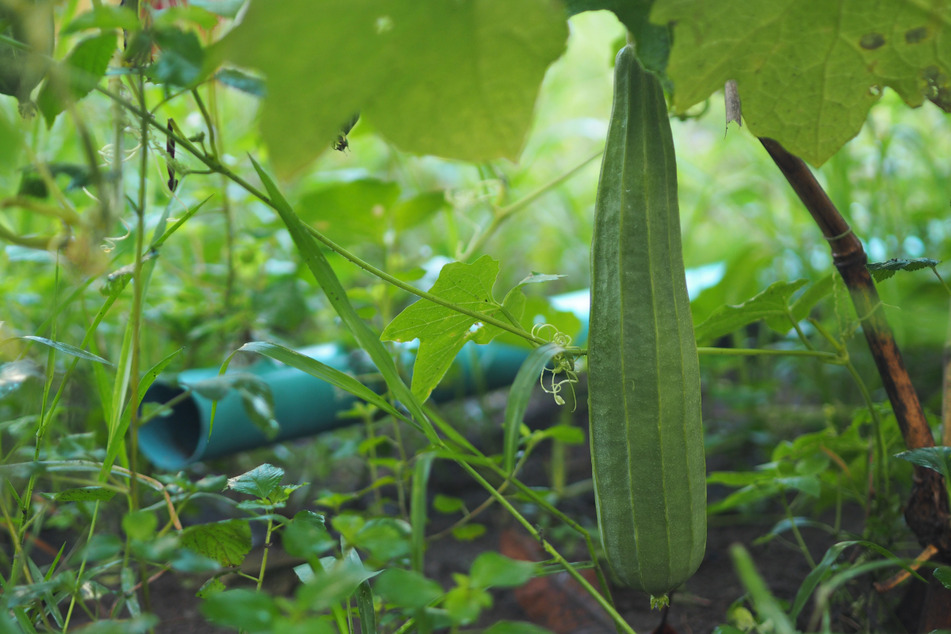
[(337, 296), (519, 396), (419, 509), (322, 371), (766, 604)]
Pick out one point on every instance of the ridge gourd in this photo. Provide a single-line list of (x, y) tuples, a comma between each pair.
[(644, 375)]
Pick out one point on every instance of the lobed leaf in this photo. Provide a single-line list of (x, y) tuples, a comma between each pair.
[(771, 304), (226, 542), (443, 331), (808, 71), (455, 79), (881, 271)]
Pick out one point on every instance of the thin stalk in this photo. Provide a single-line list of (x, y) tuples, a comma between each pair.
[(513, 328), (795, 531), (82, 569), (267, 549), (566, 520), (551, 550), (46, 412), (501, 214), (136, 312), (371, 460), (135, 318), (827, 357)]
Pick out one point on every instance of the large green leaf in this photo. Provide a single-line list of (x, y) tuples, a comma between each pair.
[(226, 542), (770, 305), (456, 79), (808, 70), (77, 75), (442, 331), (353, 210)]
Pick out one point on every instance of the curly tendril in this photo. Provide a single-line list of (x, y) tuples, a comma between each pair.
[(561, 364)]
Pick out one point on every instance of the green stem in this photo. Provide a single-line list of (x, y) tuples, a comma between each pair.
[(828, 357), (551, 550), (82, 569), (504, 213), (267, 549), (386, 277), (795, 531)]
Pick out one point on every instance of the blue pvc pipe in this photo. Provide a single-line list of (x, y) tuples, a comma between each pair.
[(305, 405)]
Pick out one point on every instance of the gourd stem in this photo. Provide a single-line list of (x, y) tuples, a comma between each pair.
[(927, 511)]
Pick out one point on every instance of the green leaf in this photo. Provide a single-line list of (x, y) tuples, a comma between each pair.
[(149, 377), (881, 271), (740, 478), (406, 588), (85, 494), (241, 81), (306, 536), (262, 482), (442, 331), (745, 497), (822, 571), (814, 293), (412, 211), (189, 562), (190, 14), (539, 278), (419, 509), (468, 532), (226, 542), (771, 304), (210, 587), (182, 57), (334, 583), (324, 275), (934, 458), (492, 570), (355, 211), (457, 79), (385, 538), (519, 396), (943, 575), (103, 17), (11, 141), (465, 601), (242, 609), (76, 77), (766, 604), (808, 70), (139, 525), (258, 402), (256, 397), (63, 347), (568, 434), (447, 504), (365, 608)]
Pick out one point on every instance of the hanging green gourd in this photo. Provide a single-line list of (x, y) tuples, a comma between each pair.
[(644, 376)]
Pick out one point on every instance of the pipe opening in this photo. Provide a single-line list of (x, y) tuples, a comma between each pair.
[(172, 439)]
